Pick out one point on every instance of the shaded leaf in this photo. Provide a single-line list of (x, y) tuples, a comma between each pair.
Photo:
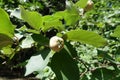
[(40, 39), (69, 48), (5, 40), (87, 37), (102, 74), (64, 66)]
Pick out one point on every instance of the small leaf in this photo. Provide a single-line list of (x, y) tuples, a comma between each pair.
[(27, 42), (71, 14), (70, 18), (5, 40), (7, 51), (87, 37), (81, 3), (34, 19), (38, 62), (116, 32), (16, 13), (6, 26), (64, 66)]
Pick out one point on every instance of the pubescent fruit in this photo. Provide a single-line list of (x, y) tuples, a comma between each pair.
[(56, 43), (89, 5)]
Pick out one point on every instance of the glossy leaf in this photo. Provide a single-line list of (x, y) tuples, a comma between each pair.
[(64, 66), (81, 3), (5, 40), (38, 62), (6, 26), (34, 19), (87, 37)]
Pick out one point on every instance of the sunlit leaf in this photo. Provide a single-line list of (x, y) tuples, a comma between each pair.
[(50, 21), (7, 51), (116, 32), (34, 19), (38, 62), (27, 42), (71, 14), (81, 3), (6, 26), (87, 37)]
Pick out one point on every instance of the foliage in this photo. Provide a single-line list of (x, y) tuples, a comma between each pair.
[(91, 49)]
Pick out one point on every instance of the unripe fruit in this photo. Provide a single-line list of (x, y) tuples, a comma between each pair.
[(56, 43), (89, 5)]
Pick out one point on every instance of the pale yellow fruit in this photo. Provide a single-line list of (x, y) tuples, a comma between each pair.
[(56, 43), (89, 5)]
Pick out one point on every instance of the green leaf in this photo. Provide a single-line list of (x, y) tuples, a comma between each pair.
[(40, 39), (50, 21), (38, 62), (64, 66), (59, 14), (71, 19), (34, 19), (102, 74), (69, 48), (116, 32), (6, 26), (7, 51), (71, 14), (5, 40), (81, 3), (87, 37)]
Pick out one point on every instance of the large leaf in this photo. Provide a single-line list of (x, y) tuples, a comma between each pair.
[(81, 3), (32, 18), (5, 40), (40, 39), (64, 66), (69, 48), (116, 32), (50, 21), (6, 26), (87, 37), (38, 62)]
